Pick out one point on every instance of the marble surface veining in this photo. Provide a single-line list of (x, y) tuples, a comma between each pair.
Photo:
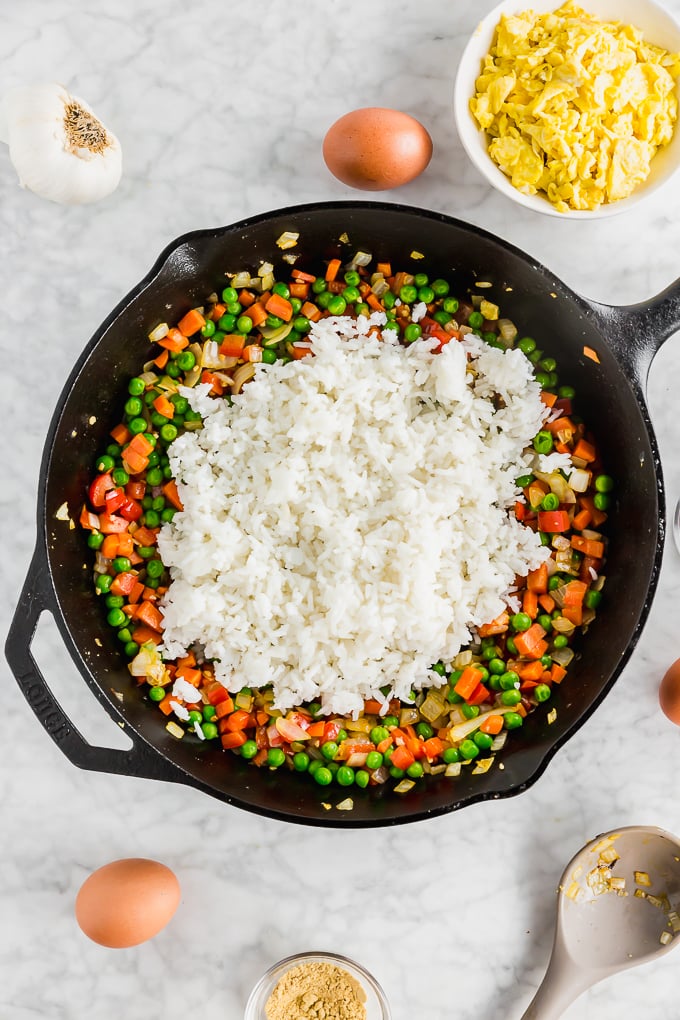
[(220, 109)]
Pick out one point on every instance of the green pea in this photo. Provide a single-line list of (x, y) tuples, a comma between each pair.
[(450, 755), (545, 621), (523, 481), (351, 294), (181, 404), (362, 778), (329, 750), (388, 755), (154, 477), (196, 717), (535, 356), (268, 356), (483, 740), (151, 519), (495, 682), (601, 501), (548, 365), (244, 323), (186, 360), (415, 771), (152, 582), (154, 568), (146, 551), (450, 305), (527, 345), (209, 712), (295, 304), (440, 287), (136, 386), (173, 370), (158, 503), (361, 308), (542, 692), (322, 775), (131, 649), (210, 731), (116, 618), (337, 305), (593, 599), (511, 646), (344, 776), (543, 380), (546, 661), (374, 760), (512, 720), (281, 289), (468, 750), (156, 693), (426, 295), (509, 680), (442, 318), (496, 666), (390, 721), (302, 324), (208, 328), (424, 730), (470, 711), (120, 477), (512, 697), (560, 641), (520, 621), (275, 757), (105, 463), (438, 668), (475, 319), (136, 426), (550, 501), (452, 697), (227, 323), (566, 392), (554, 582), (133, 406), (389, 300), (352, 278), (543, 442), (229, 295), (250, 749), (413, 332), (408, 294), (396, 773), (301, 761), (114, 601), (113, 450), (168, 432), (121, 564), (95, 540), (319, 285)]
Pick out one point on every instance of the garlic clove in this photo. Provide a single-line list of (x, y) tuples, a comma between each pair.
[(58, 147)]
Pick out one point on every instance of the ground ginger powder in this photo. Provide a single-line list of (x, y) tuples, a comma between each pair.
[(317, 991)]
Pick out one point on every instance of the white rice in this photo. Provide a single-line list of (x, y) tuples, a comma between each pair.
[(346, 521)]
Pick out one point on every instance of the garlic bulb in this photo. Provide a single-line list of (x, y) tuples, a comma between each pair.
[(58, 147)]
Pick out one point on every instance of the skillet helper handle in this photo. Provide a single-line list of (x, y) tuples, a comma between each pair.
[(637, 332), (35, 599)]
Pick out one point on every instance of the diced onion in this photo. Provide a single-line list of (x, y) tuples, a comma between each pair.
[(404, 786), (380, 287), (489, 310), (175, 730), (266, 269), (159, 332), (507, 331), (562, 656), (288, 239), (241, 376), (241, 280), (345, 805), (360, 258)]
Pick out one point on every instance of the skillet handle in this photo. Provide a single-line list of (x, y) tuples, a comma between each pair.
[(637, 332), (36, 598)]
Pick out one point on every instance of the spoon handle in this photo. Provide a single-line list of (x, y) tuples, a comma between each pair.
[(563, 982)]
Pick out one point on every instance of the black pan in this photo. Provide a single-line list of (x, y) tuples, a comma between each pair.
[(610, 397)]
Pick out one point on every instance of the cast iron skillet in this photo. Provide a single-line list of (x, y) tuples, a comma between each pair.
[(610, 397)]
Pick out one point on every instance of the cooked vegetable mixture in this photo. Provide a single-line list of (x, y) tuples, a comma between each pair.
[(515, 660)]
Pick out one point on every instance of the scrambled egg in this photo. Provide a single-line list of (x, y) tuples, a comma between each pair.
[(575, 107)]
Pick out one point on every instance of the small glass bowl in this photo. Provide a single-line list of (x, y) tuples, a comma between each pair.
[(377, 1007)]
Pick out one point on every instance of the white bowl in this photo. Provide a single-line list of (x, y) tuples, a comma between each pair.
[(377, 1007), (657, 27)]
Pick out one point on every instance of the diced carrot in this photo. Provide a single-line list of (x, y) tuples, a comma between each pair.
[(145, 536), (548, 398), (528, 685), (123, 583), (164, 406), (89, 520), (253, 352), (479, 695), (162, 359), (136, 593), (372, 707), (246, 298), (262, 718), (214, 381), (136, 559), (149, 615), (316, 729), (468, 681), (593, 355), (216, 694), (174, 341), (553, 521), (232, 345), (140, 444), (170, 492), (492, 725), (574, 614), (111, 524), (109, 547), (236, 738), (144, 634), (520, 510), (332, 269), (186, 661), (278, 305), (257, 314), (581, 520), (537, 580), (310, 311), (402, 758), (125, 544), (299, 290), (530, 603), (598, 516), (574, 593), (384, 744), (497, 626), (557, 673), (133, 462), (191, 322), (373, 302), (584, 451), (528, 641), (588, 546), (546, 602), (433, 747), (299, 274), (300, 352), (120, 434), (217, 312), (224, 708), (385, 268), (530, 670), (563, 424), (165, 706), (192, 676)]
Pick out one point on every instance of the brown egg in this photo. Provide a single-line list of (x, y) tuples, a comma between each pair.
[(127, 902), (669, 693), (375, 149)]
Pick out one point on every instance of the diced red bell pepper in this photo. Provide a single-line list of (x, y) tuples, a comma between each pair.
[(112, 524), (553, 521), (131, 510), (98, 489)]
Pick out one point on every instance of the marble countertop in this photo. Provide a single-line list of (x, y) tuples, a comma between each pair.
[(220, 109)]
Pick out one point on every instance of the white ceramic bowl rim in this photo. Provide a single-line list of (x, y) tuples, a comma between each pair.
[(657, 25)]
